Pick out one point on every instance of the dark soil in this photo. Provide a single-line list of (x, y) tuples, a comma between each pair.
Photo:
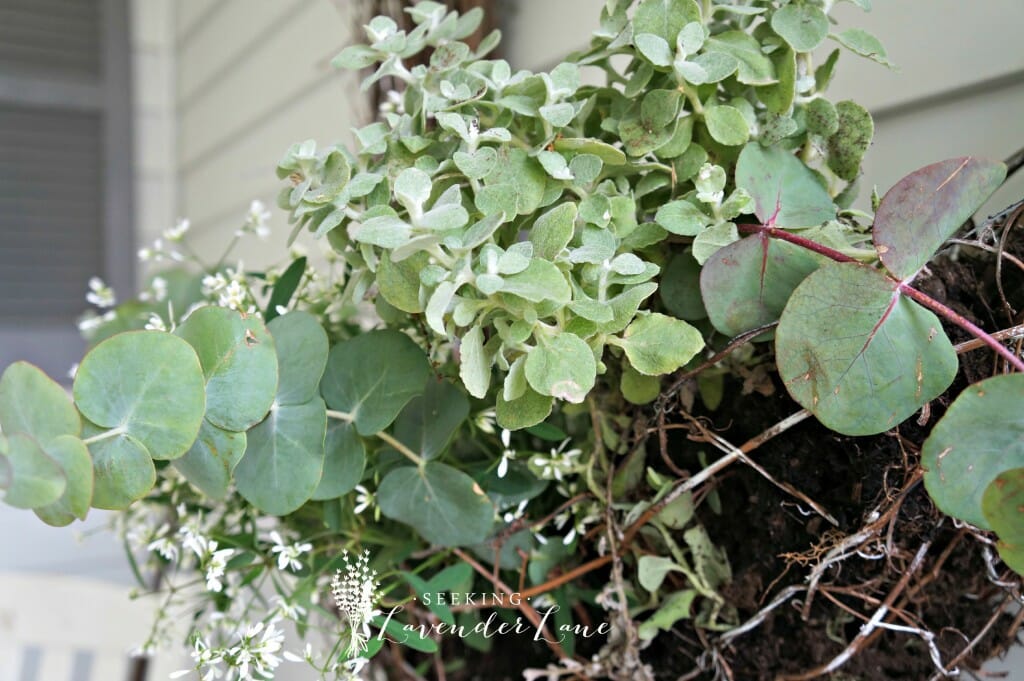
[(773, 543)]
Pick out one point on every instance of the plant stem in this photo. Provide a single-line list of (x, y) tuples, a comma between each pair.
[(964, 323), (804, 242), (903, 287), (106, 435), (398, 446)]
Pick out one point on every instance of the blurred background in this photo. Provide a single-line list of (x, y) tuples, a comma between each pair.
[(118, 117)]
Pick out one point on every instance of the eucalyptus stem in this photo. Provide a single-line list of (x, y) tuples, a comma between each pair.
[(401, 448), (903, 287), (106, 435)]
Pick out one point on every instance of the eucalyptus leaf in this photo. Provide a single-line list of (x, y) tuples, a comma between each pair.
[(868, 369), (284, 457), (33, 403), (1003, 503), (71, 454), (344, 461), (210, 461), (980, 436), (442, 503), (239, 362), (373, 376), (148, 384), (123, 472), (748, 283), (428, 423), (785, 191), (301, 347), (927, 206), (35, 479)]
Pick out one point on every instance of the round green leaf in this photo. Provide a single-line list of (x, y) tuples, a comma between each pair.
[(680, 287), (867, 369), (665, 18), (208, 464), (927, 206), (147, 383), (727, 125), (344, 461), (429, 421), (301, 345), (638, 388), (33, 403), (865, 44), (399, 282), (657, 344), (239, 362), (123, 472), (682, 217), (980, 436), (528, 409), (563, 367), (442, 503), (786, 192), (374, 375), (748, 283), (1003, 503), (72, 456), (35, 479), (284, 457), (852, 139), (803, 25)]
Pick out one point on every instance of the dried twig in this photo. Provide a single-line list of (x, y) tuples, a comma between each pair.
[(869, 627)]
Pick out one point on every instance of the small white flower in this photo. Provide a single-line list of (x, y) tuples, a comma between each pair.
[(281, 309), (288, 554), (288, 609), (512, 516), (217, 562), (155, 323), (165, 546), (73, 370), (233, 297), (364, 499), (507, 455), (100, 294), (256, 221), (485, 420), (177, 232)]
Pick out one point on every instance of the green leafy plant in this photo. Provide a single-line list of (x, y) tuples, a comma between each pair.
[(463, 376)]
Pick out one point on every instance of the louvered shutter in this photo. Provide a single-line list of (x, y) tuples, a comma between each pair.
[(65, 170)]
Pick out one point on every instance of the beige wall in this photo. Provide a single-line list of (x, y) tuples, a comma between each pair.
[(253, 77), (152, 42)]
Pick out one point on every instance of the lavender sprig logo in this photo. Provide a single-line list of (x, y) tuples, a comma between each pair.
[(356, 592)]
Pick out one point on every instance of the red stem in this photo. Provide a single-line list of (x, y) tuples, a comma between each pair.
[(963, 323), (903, 287), (783, 235)]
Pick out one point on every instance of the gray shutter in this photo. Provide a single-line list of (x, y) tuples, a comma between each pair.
[(65, 176)]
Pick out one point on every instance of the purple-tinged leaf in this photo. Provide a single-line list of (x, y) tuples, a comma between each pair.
[(927, 206), (786, 193), (856, 353), (980, 436), (747, 283)]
